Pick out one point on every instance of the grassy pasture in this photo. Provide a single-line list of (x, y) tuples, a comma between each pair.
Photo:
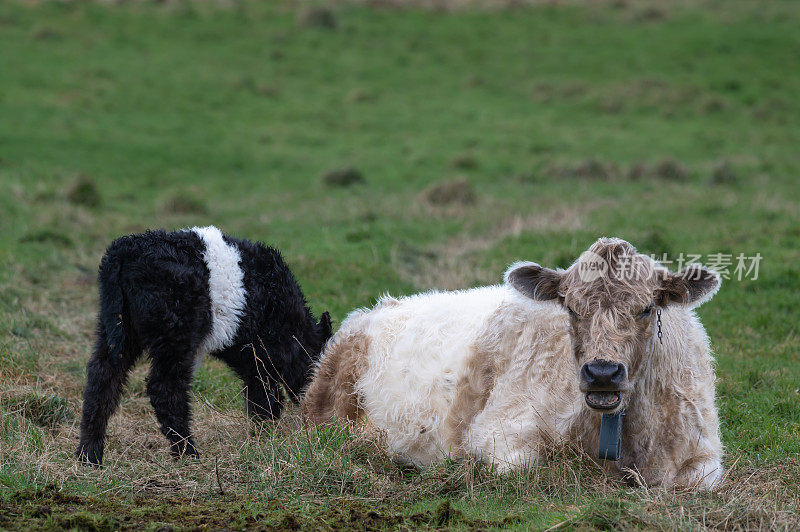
[(480, 137)]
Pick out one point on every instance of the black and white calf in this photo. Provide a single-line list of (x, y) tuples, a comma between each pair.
[(184, 294)]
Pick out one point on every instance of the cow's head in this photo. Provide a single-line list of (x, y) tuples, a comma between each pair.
[(612, 295)]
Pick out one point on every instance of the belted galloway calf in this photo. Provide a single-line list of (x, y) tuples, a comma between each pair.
[(179, 296), (501, 372)]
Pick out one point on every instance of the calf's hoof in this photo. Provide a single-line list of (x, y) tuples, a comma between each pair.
[(90, 454), (186, 449), (262, 417), (260, 414)]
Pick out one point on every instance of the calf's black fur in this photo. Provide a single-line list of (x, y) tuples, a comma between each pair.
[(155, 297)]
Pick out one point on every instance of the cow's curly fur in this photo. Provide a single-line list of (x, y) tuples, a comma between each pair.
[(158, 295), (496, 371)]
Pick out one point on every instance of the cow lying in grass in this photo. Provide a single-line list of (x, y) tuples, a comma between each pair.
[(500, 372), (188, 293)]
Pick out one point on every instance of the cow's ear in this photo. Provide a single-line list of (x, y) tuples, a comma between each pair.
[(692, 286), (534, 281)]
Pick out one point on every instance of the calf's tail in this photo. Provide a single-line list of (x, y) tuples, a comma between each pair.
[(111, 306)]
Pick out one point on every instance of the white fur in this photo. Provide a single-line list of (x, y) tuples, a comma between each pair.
[(226, 289), (415, 367)]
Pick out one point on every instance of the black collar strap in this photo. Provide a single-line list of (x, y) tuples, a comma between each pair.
[(611, 436)]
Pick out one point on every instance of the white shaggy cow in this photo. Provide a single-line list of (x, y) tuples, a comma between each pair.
[(499, 372)]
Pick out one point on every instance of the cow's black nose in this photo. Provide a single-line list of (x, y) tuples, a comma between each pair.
[(603, 375)]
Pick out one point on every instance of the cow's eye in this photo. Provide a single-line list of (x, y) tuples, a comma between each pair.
[(572, 313), (646, 312)]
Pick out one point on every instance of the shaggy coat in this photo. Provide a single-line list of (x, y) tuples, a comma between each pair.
[(501, 372), (179, 296)]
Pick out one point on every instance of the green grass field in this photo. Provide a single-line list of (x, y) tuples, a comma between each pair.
[(483, 137)]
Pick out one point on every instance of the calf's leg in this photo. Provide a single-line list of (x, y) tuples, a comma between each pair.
[(168, 386), (262, 394), (262, 397), (105, 379)]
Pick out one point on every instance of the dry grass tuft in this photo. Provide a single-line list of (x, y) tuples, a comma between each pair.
[(594, 169), (47, 236), (650, 14), (723, 174), (588, 169), (318, 17), (343, 177), (667, 169), (45, 410), (250, 84), (184, 204), (83, 191), (457, 191), (636, 171), (649, 94), (46, 33), (464, 161), (670, 170), (359, 96)]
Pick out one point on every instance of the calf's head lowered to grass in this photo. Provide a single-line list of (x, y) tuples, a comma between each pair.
[(613, 295)]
